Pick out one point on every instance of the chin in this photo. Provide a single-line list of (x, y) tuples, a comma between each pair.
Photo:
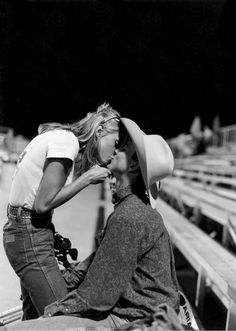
[(110, 166)]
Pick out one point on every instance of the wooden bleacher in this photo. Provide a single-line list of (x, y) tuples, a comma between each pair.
[(201, 195), (206, 170), (210, 172), (216, 208), (219, 184), (215, 266), (198, 203)]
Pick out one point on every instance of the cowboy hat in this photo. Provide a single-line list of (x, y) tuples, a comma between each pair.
[(155, 157)]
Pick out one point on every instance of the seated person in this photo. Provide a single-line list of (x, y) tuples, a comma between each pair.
[(132, 271)]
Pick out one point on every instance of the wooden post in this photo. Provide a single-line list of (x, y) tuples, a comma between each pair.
[(231, 316), (197, 215), (225, 236), (200, 293), (180, 205)]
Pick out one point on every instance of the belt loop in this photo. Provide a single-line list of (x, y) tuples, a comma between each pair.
[(19, 209)]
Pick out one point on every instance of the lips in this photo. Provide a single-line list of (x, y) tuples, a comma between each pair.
[(111, 159), (108, 162)]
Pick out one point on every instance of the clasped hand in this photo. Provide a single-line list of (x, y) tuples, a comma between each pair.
[(98, 174)]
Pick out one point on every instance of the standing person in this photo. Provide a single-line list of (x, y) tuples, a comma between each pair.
[(43, 180), (132, 271)]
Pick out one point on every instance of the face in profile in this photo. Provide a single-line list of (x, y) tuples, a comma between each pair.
[(110, 142), (106, 147), (122, 158)]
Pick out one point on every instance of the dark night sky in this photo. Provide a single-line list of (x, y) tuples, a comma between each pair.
[(159, 62)]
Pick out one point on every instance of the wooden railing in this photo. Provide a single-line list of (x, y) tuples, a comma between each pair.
[(228, 135), (10, 315)]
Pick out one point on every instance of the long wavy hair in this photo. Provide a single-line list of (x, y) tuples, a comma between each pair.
[(105, 119)]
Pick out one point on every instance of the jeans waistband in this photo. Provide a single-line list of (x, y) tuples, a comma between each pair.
[(25, 212), (23, 215)]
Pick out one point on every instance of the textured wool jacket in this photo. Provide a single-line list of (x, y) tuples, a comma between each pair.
[(131, 272)]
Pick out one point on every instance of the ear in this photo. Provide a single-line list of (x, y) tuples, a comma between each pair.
[(99, 130), (133, 166)]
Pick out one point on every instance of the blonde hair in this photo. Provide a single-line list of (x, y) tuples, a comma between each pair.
[(104, 119)]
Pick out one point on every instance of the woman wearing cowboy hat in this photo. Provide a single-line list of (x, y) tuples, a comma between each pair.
[(132, 271)]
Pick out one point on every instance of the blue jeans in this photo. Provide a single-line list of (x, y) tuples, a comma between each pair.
[(28, 240), (70, 323)]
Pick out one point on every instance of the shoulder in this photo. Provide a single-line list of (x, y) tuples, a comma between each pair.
[(134, 210), (62, 143), (136, 217), (64, 134), (64, 137)]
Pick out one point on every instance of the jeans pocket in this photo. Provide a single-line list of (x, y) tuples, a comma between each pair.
[(14, 245)]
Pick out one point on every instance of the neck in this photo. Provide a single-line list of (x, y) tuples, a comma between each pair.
[(122, 181), (125, 186)]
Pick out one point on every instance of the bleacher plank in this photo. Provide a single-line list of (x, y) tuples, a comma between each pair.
[(206, 160), (204, 178), (218, 208), (221, 158), (220, 191), (225, 172), (216, 267)]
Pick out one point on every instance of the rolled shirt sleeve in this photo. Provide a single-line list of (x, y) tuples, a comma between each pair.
[(63, 144), (107, 277)]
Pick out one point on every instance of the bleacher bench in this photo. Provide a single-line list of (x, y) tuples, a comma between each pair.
[(214, 169), (215, 266), (217, 184), (206, 178), (219, 209)]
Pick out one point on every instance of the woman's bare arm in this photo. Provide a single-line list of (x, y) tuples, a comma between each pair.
[(52, 193)]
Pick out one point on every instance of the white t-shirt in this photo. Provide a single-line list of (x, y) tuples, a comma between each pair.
[(29, 168)]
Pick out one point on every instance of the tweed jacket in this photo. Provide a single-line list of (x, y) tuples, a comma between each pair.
[(131, 272)]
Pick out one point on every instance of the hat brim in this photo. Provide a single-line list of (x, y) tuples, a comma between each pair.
[(137, 136)]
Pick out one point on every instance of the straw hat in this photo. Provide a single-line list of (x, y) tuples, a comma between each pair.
[(155, 157)]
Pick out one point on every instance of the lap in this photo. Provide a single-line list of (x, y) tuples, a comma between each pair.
[(70, 323)]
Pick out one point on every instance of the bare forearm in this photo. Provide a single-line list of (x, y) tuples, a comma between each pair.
[(69, 191), (52, 193)]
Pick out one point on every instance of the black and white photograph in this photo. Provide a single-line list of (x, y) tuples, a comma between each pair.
[(118, 165)]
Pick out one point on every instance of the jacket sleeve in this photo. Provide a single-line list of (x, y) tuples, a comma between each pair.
[(108, 275), (74, 277)]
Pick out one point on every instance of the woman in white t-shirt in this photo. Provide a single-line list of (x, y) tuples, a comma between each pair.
[(57, 164)]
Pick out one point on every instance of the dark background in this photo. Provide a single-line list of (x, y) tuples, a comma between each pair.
[(159, 62)]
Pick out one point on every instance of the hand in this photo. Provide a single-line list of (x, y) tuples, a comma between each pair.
[(98, 174)]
